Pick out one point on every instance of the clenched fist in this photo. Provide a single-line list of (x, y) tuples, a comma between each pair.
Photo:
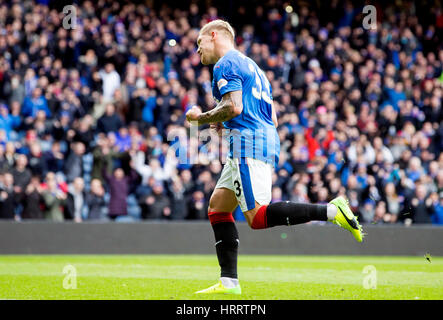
[(193, 114)]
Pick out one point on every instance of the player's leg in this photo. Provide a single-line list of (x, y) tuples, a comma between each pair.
[(290, 213), (221, 205), (254, 194), (286, 213)]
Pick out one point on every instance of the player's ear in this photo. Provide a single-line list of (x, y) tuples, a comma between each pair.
[(213, 34)]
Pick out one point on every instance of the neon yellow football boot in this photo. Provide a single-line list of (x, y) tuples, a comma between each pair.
[(220, 288), (346, 219)]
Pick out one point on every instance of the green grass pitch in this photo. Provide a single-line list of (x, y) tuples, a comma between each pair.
[(262, 277)]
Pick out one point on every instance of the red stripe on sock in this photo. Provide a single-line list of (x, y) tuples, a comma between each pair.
[(218, 217), (260, 220)]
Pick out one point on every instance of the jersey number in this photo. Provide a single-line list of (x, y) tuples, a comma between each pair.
[(237, 188), (258, 91)]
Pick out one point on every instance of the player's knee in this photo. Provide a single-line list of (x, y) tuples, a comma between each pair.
[(257, 218), (250, 219), (219, 217)]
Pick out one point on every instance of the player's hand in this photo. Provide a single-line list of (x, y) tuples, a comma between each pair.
[(193, 114)]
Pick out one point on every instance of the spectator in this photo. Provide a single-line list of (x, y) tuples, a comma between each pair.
[(367, 212), (188, 183), (380, 214), (179, 209), (75, 205), (32, 200), (8, 197), (110, 121), (437, 217), (197, 206), (136, 105), (83, 132), (74, 162), (157, 205), (54, 200), (414, 170), (4, 165), (36, 165), (123, 140), (111, 81), (299, 193), (118, 189), (33, 104), (17, 90), (103, 157), (421, 206), (8, 122), (10, 155), (21, 174), (96, 201), (54, 158), (276, 194), (393, 202), (150, 103)]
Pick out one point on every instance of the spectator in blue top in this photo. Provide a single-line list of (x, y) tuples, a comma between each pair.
[(34, 103), (437, 217), (8, 122), (150, 105), (394, 93), (123, 139)]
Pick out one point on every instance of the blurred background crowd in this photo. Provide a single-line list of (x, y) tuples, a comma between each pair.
[(85, 113)]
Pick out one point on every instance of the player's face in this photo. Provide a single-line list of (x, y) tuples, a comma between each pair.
[(205, 49)]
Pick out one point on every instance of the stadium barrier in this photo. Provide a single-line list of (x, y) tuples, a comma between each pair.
[(35, 237)]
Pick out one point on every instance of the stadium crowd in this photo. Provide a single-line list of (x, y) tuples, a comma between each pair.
[(85, 113)]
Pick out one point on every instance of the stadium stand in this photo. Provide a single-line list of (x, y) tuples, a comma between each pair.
[(86, 113)]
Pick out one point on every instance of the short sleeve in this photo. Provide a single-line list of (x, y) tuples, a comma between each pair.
[(227, 77)]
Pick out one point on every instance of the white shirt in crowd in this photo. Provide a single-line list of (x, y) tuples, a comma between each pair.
[(111, 82)]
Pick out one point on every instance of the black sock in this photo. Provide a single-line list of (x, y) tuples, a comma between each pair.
[(226, 245), (290, 213)]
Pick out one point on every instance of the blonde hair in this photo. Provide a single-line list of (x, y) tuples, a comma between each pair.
[(219, 25)]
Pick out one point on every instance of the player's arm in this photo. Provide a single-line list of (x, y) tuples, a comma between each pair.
[(229, 107), (274, 115)]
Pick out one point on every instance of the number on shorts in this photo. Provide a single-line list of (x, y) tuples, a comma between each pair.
[(237, 188)]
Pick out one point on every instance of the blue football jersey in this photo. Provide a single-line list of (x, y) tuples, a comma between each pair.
[(252, 133)]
